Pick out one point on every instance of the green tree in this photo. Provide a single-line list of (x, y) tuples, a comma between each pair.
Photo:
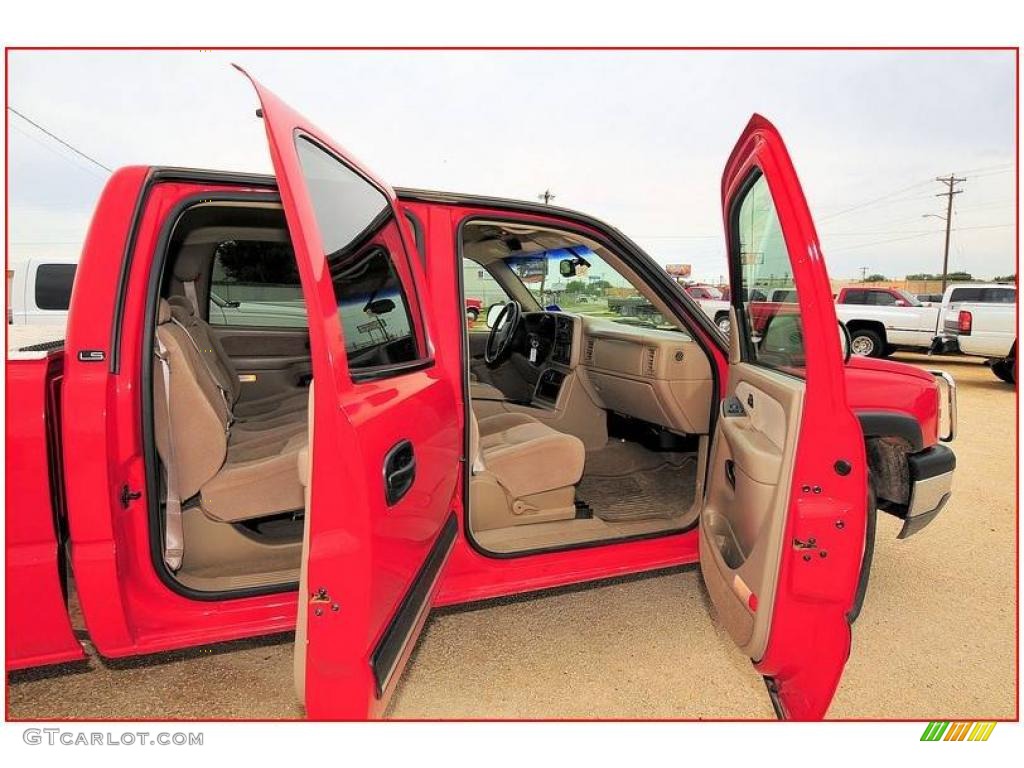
[(875, 278), (960, 277), (1005, 278), (257, 261), (576, 287)]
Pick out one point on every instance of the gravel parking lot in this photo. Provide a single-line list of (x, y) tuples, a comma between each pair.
[(936, 638)]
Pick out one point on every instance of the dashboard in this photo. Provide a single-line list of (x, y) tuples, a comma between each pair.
[(660, 376)]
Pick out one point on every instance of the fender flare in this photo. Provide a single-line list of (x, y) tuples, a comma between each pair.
[(892, 424)]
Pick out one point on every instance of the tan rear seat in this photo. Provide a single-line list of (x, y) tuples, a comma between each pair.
[(238, 474), (279, 409)]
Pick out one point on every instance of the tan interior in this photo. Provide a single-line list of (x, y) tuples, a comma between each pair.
[(651, 379), (743, 521), (544, 475), (304, 470), (233, 452), (238, 468)]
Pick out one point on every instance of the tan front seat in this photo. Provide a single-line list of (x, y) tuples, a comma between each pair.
[(523, 472)]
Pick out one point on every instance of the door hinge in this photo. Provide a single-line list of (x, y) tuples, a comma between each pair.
[(320, 598), (810, 543), (128, 496)]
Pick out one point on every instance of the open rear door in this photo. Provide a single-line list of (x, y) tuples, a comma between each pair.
[(383, 461), (782, 533)]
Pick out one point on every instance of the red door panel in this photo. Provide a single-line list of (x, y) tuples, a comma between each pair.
[(809, 635), (387, 437)]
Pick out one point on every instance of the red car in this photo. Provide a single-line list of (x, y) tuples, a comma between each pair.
[(341, 474), (474, 308)]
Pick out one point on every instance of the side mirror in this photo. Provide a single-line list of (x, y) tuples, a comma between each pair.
[(567, 268), (492, 313), (379, 307), (846, 341)]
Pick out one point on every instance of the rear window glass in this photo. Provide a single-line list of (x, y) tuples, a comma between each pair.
[(53, 285), (984, 295)]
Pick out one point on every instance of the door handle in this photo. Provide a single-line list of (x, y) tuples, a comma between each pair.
[(730, 473), (399, 471)]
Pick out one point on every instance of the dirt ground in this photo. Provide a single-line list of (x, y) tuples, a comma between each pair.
[(936, 639)]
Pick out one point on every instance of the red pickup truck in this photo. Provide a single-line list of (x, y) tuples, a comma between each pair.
[(371, 456)]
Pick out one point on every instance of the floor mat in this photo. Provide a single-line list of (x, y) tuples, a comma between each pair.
[(662, 492)]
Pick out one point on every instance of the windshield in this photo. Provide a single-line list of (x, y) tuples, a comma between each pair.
[(910, 298), (591, 287)]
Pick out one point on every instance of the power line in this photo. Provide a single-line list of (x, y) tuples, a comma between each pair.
[(61, 141), (875, 201)]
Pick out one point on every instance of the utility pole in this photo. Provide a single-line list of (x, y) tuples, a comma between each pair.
[(950, 181), (863, 273), (547, 196)]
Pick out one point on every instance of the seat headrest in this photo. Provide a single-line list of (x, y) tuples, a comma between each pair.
[(189, 264), (181, 307), (163, 312)]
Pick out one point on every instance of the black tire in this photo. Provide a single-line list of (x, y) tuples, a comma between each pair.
[(723, 322), (473, 313), (867, 343), (1006, 369)]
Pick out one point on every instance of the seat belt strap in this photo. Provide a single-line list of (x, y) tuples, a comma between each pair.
[(174, 537), (224, 396), (190, 294)]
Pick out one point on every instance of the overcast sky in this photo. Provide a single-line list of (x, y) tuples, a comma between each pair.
[(638, 139)]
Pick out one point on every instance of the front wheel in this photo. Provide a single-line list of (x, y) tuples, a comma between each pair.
[(473, 314), (723, 323), (866, 343)]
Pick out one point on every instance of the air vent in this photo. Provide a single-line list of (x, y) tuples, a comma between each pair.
[(588, 351), (650, 359)]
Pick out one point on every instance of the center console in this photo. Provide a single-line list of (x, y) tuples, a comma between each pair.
[(548, 386), (561, 349), (556, 366)]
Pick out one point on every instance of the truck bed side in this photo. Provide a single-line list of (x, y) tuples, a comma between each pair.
[(38, 626), (993, 329)]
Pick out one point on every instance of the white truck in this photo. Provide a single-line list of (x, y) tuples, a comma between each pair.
[(39, 291), (984, 330), (882, 320)]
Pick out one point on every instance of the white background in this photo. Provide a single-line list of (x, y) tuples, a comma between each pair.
[(519, 23)]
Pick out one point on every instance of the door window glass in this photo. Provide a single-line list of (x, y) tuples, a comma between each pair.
[(771, 330), (255, 283), (881, 299), (53, 285), (363, 247)]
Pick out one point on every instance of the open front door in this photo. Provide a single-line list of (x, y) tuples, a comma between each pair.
[(383, 459), (782, 532)]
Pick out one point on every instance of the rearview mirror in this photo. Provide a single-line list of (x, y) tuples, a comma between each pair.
[(845, 341), (492, 313), (379, 307), (575, 267)]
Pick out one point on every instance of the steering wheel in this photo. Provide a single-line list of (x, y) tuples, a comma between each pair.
[(499, 342)]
